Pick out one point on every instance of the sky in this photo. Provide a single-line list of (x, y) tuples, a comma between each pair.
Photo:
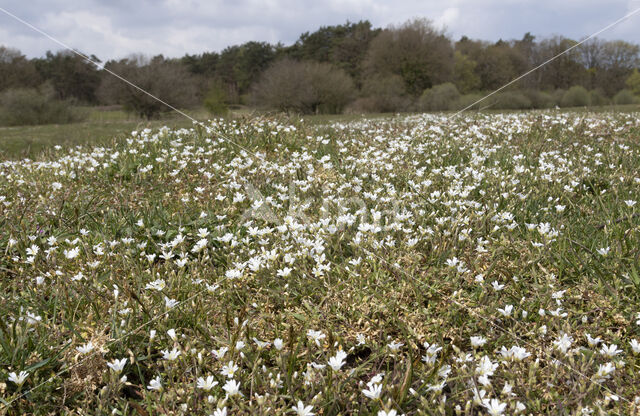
[(113, 29)]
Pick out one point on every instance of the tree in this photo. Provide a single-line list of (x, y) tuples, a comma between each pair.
[(633, 82), (305, 87), (16, 71), (344, 46), (72, 76), (419, 53), (168, 80), (464, 75)]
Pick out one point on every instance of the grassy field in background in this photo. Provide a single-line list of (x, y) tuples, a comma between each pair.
[(104, 126)]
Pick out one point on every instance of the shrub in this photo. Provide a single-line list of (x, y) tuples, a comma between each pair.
[(28, 106), (576, 96), (624, 97), (557, 96), (439, 98), (305, 87), (215, 101), (598, 98), (382, 94), (466, 100), (633, 82), (540, 99), (509, 100), (168, 80)]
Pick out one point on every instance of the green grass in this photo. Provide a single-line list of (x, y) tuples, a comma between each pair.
[(396, 243)]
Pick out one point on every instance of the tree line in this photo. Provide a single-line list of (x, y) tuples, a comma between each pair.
[(347, 67)]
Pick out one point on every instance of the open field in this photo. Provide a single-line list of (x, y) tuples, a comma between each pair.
[(486, 264)]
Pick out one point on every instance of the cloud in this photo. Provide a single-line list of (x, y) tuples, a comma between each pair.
[(118, 28)]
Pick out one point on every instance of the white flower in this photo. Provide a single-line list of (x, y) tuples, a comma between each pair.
[(172, 334), (301, 410), (635, 346), (603, 251), (170, 303), (605, 371), (278, 344), (478, 341), (387, 413), (494, 406), (155, 384), (156, 285), (316, 336), (171, 355), (232, 388), (506, 311), (373, 392), (229, 370), (395, 346), (117, 365), (284, 272), (73, 253), (610, 351), (86, 348), (206, 384), (19, 379), (593, 342), (630, 202), (220, 412), (563, 343), (337, 361), (219, 353)]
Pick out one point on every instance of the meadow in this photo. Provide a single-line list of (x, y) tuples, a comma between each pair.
[(416, 264)]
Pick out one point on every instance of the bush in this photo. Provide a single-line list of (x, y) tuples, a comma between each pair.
[(305, 87), (382, 94), (168, 80), (28, 106), (598, 98), (439, 98), (624, 97), (540, 99), (466, 100), (510, 100), (576, 96), (557, 96), (215, 101)]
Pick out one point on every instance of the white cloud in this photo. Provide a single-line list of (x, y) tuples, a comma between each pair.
[(174, 27)]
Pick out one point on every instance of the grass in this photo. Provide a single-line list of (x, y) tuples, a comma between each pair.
[(255, 265)]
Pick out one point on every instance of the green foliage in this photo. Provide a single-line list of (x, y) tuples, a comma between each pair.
[(597, 98), (465, 77), (71, 76), (31, 107), (439, 98), (418, 52), (215, 101), (467, 100), (539, 99), (624, 97), (576, 96), (509, 100), (633, 82)]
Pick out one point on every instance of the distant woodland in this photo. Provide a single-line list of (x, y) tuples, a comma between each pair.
[(352, 67)]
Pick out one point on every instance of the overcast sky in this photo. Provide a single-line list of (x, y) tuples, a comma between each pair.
[(117, 28)]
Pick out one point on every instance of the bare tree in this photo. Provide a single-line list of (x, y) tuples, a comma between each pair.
[(305, 87), (168, 80)]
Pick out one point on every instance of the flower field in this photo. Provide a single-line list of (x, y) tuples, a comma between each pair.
[(418, 265)]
